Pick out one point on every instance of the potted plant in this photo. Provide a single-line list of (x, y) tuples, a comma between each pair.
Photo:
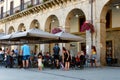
[(6, 15), (45, 0), (56, 30), (30, 5), (16, 11)]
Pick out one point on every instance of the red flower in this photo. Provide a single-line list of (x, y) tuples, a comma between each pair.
[(87, 26), (56, 30)]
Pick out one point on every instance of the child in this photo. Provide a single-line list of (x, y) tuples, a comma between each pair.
[(40, 62), (62, 65)]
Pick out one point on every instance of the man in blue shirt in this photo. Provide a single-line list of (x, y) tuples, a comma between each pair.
[(26, 54)]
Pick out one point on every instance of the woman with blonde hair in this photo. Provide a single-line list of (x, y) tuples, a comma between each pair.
[(93, 56)]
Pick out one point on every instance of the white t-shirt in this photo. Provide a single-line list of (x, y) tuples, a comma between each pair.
[(1, 52)]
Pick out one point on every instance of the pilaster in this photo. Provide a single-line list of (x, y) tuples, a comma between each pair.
[(101, 41), (88, 42)]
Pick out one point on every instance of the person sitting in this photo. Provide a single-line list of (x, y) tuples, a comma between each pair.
[(82, 59), (77, 59), (1, 55), (47, 60)]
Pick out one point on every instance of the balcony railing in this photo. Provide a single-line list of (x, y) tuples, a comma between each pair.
[(31, 9), (18, 8)]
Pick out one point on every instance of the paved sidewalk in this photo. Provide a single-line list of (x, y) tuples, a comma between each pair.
[(106, 73)]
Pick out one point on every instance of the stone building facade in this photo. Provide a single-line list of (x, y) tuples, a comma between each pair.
[(69, 15)]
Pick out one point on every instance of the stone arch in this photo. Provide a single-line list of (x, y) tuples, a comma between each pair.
[(106, 35), (74, 20), (1, 30), (35, 24), (21, 27), (51, 22), (110, 5), (104, 11), (11, 30)]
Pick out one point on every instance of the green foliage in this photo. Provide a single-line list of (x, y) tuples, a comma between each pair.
[(30, 5), (16, 11), (45, 0), (6, 15)]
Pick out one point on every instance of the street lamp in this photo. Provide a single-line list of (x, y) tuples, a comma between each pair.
[(117, 6)]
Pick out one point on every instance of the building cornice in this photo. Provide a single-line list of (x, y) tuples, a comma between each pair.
[(34, 9)]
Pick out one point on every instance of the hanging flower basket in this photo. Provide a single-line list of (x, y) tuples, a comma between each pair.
[(56, 30), (87, 26)]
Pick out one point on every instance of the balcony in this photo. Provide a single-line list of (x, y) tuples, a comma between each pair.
[(31, 9)]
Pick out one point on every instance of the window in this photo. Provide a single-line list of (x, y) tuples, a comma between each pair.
[(11, 7), (21, 5), (108, 19), (37, 2), (1, 0), (1, 12), (109, 51), (109, 48), (32, 2)]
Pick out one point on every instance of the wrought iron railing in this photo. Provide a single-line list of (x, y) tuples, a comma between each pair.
[(18, 8)]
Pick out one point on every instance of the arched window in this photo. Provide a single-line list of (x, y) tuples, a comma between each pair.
[(11, 7)]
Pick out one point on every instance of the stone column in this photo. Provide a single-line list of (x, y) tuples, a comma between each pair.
[(88, 42), (101, 42)]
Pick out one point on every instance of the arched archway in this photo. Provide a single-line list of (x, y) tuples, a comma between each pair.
[(110, 26), (1, 31), (73, 23), (35, 24), (21, 27), (11, 30), (51, 23), (74, 20)]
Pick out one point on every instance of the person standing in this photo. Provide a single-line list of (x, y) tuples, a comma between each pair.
[(82, 59), (7, 57), (40, 61), (66, 58), (56, 51), (93, 57), (1, 54), (25, 50)]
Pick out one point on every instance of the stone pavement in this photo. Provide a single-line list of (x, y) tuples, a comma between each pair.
[(105, 73)]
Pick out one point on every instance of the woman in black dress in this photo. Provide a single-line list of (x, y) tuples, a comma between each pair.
[(66, 58)]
